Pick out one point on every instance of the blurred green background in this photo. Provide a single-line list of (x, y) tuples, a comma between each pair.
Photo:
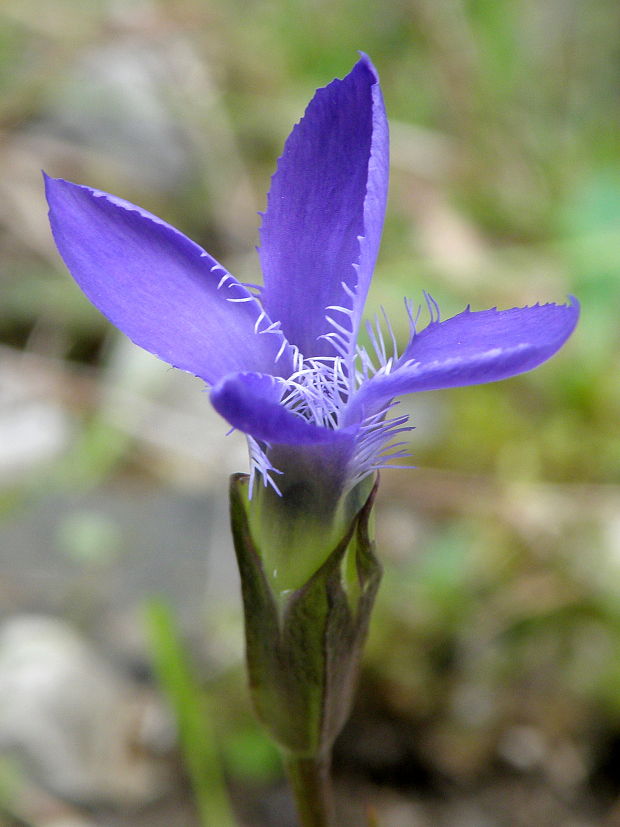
[(491, 688)]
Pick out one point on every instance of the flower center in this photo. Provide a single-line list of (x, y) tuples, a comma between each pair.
[(318, 390)]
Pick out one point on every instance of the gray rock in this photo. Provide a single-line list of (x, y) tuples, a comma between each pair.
[(76, 726)]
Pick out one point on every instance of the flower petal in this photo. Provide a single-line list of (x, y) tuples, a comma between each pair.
[(161, 289), (475, 347), (251, 403), (325, 212)]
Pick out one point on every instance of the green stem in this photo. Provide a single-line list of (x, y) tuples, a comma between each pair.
[(312, 790)]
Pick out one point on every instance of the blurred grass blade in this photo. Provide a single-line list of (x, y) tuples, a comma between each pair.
[(191, 708), (373, 819)]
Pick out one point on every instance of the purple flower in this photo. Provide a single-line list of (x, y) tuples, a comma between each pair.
[(283, 361)]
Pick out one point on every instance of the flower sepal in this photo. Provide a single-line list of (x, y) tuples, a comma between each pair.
[(303, 646)]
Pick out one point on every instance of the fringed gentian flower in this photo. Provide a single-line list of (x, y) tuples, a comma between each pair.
[(282, 360)]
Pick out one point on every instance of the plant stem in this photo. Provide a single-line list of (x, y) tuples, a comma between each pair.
[(312, 790)]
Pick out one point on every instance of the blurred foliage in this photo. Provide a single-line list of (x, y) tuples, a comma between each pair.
[(500, 606), (194, 714)]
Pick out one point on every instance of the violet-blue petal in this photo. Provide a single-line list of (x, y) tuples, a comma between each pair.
[(159, 287), (475, 347), (325, 211), (374, 202), (251, 403)]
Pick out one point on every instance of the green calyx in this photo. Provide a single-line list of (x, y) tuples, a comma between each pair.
[(303, 642), (297, 530)]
